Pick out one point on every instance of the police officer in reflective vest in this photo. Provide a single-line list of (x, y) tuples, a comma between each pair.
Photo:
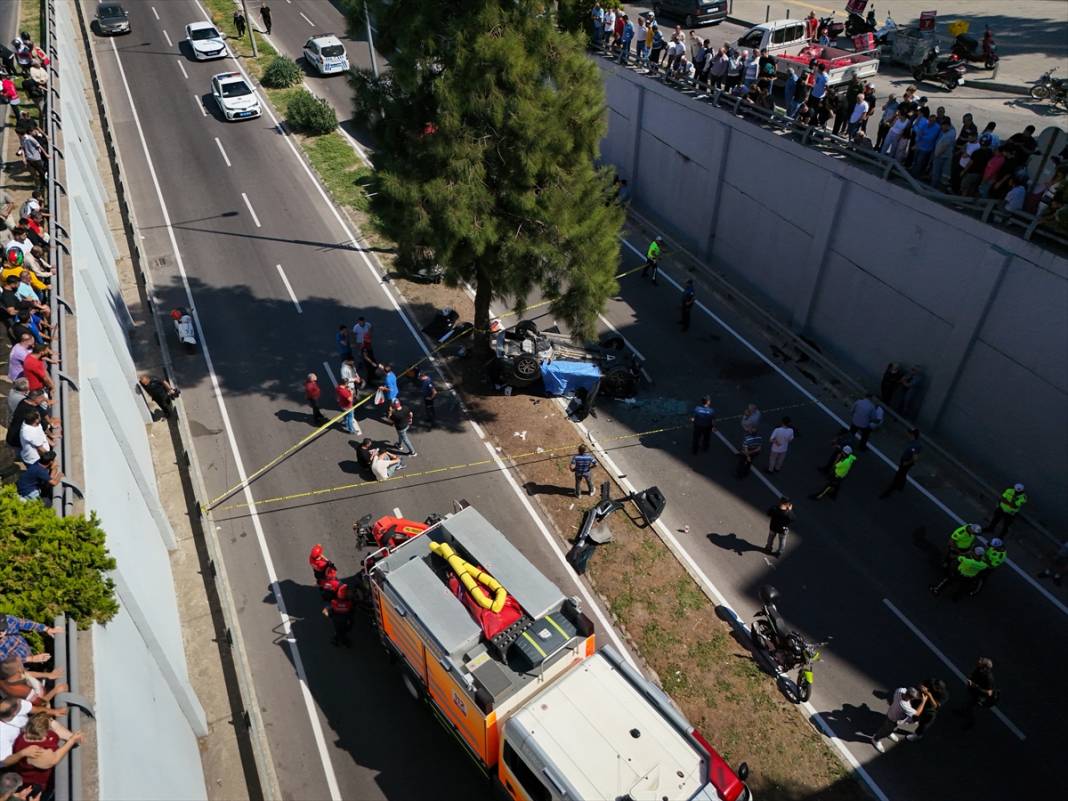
[(340, 614), (1012, 500), (704, 423), (994, 557), (839, 470), (964, 573), (652, 259), (961, 541)]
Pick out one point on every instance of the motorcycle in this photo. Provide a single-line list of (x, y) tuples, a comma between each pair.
[(969, 48), (1049, 88), (184, 328), (856, 24), (947, 70), (784, 648)]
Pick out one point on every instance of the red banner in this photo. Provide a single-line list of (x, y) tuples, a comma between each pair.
[(927, 20), (856, 6)]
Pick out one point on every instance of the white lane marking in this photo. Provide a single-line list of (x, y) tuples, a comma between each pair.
[(181, 66), (397, 512), (871, 448), (168, 38), (945, 661), (289, 289), (306, 18), (251, 210), (225, 157), (276, 590), (155, 13), (330, 374), (698, 575), (200, 105), (524, 501)]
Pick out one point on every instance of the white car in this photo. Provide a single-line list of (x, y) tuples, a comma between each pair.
[(326, 54), (205, 41), (234, 96)]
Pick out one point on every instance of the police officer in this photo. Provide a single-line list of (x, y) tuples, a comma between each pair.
[(1012, 500), (689, 297), (652, 259), (994, 557), (839, 470), (430, 392), (704, 423), (964, 573), (961, 541), (340, 614)]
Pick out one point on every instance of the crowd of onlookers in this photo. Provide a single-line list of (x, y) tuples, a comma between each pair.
[(32, 740), (951, 156)]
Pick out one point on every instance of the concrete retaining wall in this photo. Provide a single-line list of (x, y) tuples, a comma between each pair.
[(870, 271), (148, 717)]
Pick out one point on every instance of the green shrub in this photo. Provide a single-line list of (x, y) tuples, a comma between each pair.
[(310, 114), (52, 565), (282, 72)]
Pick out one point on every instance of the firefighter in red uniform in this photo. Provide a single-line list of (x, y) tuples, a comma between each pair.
[(340, 614), (319, 563)]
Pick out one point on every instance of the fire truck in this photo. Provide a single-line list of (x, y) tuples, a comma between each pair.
[(509, 664)]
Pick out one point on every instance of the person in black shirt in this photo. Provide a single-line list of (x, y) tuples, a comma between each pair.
[(782, 517), (160, 391), (982, 691), (365, 454), (937, 695)]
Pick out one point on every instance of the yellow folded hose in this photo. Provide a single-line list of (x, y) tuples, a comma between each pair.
[(471, 576)]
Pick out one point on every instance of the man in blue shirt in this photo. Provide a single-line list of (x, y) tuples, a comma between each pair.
[(581, 465), (688, 299), (819, 86), (909, 457), (39, 478), (704, 423), (392, 391), (926, 132)]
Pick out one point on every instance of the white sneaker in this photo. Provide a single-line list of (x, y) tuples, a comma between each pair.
[(879, 746), (894, 737)]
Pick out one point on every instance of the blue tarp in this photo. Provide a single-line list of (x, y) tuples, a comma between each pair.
[(563, 377)]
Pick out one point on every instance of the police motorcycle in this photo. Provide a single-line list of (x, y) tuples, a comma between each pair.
[(784, 648)]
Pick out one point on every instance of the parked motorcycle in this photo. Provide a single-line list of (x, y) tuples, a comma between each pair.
[(1052, 89), (946, 70), (969, 48), (786, 649), (856, 24), (184, 328)]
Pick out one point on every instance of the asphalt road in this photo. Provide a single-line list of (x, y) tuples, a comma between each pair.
[(1011, 112), (843, 564), (234, 223)]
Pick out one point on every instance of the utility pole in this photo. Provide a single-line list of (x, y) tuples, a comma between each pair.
[(248, 25), (370, 37)]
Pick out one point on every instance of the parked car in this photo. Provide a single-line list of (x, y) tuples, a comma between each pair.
[(692, 12), (111, 18)]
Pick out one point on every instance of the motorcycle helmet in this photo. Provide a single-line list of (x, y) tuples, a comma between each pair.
[(847, 450), (768, 595), (975, 528), (996, 543)]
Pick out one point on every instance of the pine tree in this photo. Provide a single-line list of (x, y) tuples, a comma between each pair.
[(487, 131)]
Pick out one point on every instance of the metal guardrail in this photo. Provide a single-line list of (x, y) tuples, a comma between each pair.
[(987, 210), (68, 784)]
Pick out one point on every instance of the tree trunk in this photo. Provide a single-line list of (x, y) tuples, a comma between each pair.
[(483, 296)]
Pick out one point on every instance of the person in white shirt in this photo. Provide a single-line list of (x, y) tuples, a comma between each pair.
[(33, 439), (360, 330), (907, 705), (1014, 200), (14, 715), (385, 464), (860, 112), (780, 440), (31, 206), (609, 27)]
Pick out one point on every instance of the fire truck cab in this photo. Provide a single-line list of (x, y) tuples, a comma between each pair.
[(509, 663)]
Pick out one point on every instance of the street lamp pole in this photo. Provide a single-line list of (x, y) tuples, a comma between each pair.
[(248, 24), (370, 37)]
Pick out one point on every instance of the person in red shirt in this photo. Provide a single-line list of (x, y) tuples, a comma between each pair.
[(345, 403), (319, 562), (340, 614), (35, 370), (312, 394), (37, 770)]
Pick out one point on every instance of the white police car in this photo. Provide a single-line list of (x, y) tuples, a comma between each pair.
[(205, 41), (326, 54), (234, 96)]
